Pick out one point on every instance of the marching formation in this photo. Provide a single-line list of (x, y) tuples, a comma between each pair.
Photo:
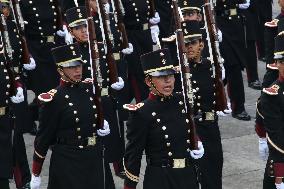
[(160, 72)]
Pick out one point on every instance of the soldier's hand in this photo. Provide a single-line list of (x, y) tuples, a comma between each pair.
[(156, 19), (65, 33), (19, 97), (107, 8), (35, 182), (105, 131), (128, 50), (197, 154), (263, 148), (220, 36), (31, 65), (279, 186), (245, 5), (118, 85)]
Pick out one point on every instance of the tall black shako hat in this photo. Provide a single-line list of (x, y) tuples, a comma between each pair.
[(76, 16), (191, 30), (157, 63), (67, 55), (187, 5)]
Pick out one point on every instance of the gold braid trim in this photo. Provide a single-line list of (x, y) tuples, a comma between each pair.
[(129, 175), (159, 69), (258, 110), (274, 145), (40, 156)]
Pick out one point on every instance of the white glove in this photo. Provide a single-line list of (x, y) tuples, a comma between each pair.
[(65, 33), (107, 8), (279, 186), (118, 85), (35, 182), (263, 148), (229, 109), (31, 65), (155, 32), (128, 50), (197, 154), (223, 71), (220, 36), (155, 20), (105, 131), (245, 5), (19, 97)]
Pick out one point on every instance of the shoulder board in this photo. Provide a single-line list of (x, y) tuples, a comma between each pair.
[(272, 23), (88, 80), (133, 107), (273, 90), (47, 97)]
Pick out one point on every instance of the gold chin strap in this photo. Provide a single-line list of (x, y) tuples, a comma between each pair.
[(70, 80)]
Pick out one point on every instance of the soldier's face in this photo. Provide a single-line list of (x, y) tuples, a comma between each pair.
[(72, 74), (280, 65), (80, 33), (281, 3), (6, 11), (193, 49), (192, 15), (164, 84)]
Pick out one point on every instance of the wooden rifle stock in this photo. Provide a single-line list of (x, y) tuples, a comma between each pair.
[(186, 77), (94, 58), (120, 23), (221, 100), (152, 8), (59, 19), (25, 52), (113, 76)]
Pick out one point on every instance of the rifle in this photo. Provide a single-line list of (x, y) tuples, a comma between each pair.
[(95, 64), (215, 56), (109, 42), (8, 54), (152, 8), (59, 19), (14, 4), (119, 20), (185, 76)]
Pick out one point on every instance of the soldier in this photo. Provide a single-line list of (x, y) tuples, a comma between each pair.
[(205, 116), (229, 22), (76, 20), (272, 107), (11, 92), (68, 123), (248, 12), (141, 29), (23, 121), (152, 127)]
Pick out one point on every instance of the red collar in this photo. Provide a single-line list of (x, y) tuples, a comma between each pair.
[(282, 12), (64, 82), (152, 96)]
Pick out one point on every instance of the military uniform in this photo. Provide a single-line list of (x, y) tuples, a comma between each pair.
[(23, 120), (136, 20), (40, 32), (152, 127), (71, 131), (206, 119), (229, 22), (114, 146)]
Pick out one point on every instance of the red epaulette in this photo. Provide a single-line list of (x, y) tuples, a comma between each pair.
[(47, 97), (273, 90), (133, 107), (272, 23)]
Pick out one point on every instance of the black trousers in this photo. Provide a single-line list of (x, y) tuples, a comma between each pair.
[(4, 183), (211, 164), (235, 87), (142, 43), (251, 61)]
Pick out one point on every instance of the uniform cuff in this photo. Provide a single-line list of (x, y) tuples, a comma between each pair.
[(127, 187), (260, 131), (279, 169), (18, 84), (129, 184), (36, 168)]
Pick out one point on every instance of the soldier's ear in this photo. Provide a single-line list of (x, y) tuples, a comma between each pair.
[(60, 71), (148, 81)]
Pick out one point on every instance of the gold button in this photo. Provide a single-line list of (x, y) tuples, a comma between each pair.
[(166, 136), (187, 141), (75, 112), (79, 137), (170, 153), (70, 104), (164, 128), (77, 120), (154, 113), (168, 144), (158, 120), (186, 120), (66, 96), (78, 129)]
